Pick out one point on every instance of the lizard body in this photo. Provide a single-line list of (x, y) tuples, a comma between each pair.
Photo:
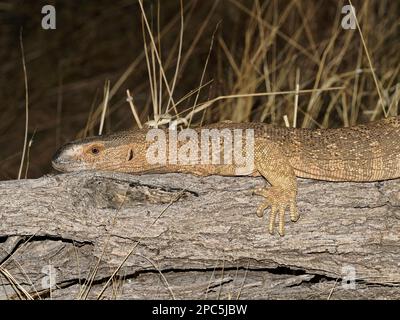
[(362, 153)]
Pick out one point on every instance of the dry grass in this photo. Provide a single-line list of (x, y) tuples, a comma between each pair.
[(186, 63), (180, 60)]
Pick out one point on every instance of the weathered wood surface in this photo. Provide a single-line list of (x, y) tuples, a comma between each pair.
[(194, 237)]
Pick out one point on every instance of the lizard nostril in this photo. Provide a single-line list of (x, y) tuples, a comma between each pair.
[(60, 157), (60, 154)]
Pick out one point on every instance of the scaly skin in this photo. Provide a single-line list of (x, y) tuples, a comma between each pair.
[(362, 153)]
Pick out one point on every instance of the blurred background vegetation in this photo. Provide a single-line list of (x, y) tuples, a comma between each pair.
[(228, 47)]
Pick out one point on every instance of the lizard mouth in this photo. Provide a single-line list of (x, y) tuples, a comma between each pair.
[(59, 165)]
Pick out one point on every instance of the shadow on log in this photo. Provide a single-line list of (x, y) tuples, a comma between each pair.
[(180, 236)]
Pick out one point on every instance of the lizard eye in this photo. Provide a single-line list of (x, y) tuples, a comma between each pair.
[(94, 149)]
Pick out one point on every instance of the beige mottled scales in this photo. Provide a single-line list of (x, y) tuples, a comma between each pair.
[(369, 152), (361, 153)]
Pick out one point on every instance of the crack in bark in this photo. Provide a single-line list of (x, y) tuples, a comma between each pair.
[(25, 239), (135, 184)]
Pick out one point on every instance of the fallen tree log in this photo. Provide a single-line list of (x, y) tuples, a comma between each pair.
[(107, 235)]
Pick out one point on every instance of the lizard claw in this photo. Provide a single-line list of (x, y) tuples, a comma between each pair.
[(279, 200)]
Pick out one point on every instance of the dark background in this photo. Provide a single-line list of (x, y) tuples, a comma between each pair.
[(258, 46)]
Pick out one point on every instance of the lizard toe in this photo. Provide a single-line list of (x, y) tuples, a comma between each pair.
[(294, 214), (281, 229), (272, 217), (279, 200), (261, 208)]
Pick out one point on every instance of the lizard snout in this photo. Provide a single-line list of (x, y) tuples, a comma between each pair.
[(65, 158)]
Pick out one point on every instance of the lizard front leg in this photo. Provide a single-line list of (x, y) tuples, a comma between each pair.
[(273, 165)]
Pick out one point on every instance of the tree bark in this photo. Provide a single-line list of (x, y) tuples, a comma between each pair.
[(108, 235)]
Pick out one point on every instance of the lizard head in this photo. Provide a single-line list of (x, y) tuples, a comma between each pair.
[(115, 152)]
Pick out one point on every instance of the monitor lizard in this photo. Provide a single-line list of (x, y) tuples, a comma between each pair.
[(362, 153)]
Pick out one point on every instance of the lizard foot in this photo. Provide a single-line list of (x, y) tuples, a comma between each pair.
[(279, 200)]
